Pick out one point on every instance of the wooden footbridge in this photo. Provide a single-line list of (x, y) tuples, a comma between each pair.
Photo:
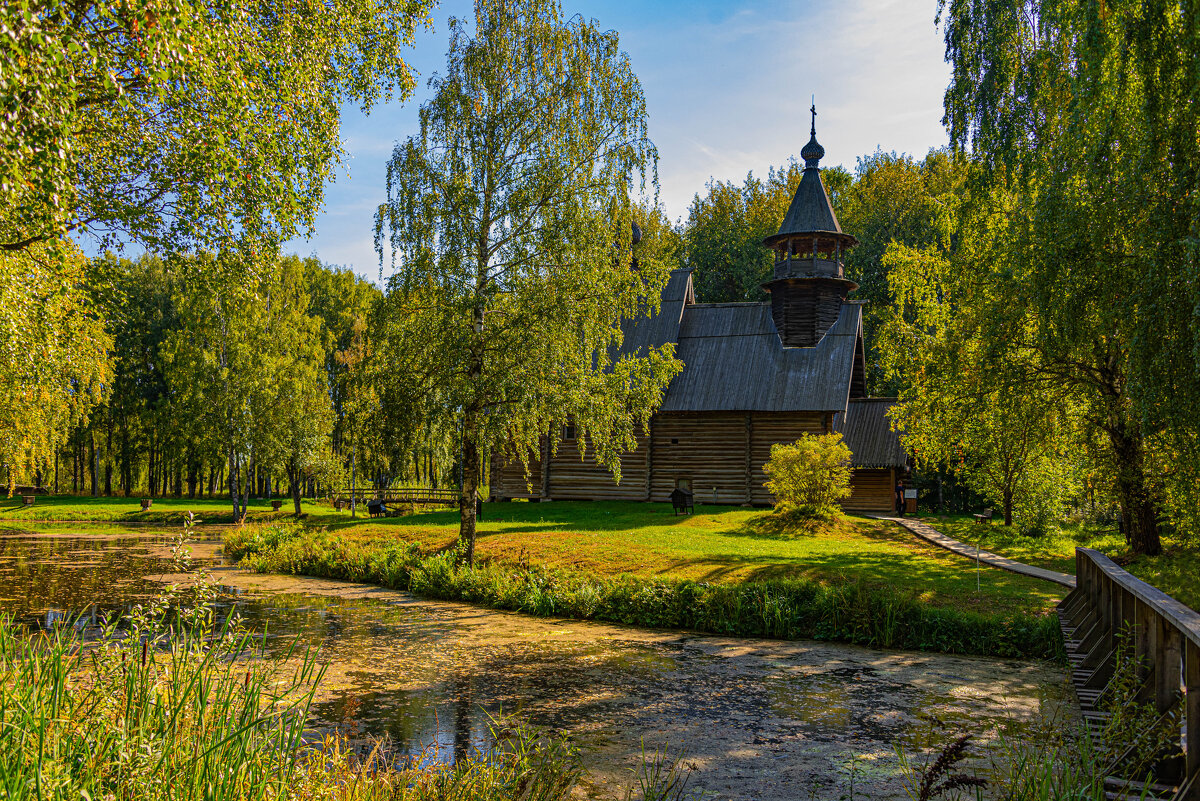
[(1122, 633)]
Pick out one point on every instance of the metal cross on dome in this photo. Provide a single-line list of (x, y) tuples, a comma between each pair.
[(814, 115)]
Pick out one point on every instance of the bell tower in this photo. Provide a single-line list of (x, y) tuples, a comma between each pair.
[(809, 285)]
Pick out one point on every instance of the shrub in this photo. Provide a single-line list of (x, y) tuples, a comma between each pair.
[(811, 475)]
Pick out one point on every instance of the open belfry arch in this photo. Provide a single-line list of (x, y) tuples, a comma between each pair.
[(755, 374)]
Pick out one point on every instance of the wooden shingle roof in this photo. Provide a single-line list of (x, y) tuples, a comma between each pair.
[(734, 360), (657, 329), (868, 433)]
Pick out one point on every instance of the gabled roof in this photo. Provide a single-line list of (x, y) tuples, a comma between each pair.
[(868, 433), (734, 361), (661, 327)]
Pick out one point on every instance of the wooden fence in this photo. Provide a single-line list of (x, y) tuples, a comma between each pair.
[(446, 497), (1162, 638)]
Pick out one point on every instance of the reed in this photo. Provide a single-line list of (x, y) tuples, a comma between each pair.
[(854, 612)]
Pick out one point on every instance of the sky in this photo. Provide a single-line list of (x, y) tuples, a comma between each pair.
[(728, 85)]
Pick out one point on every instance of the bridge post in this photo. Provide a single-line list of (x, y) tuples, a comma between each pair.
[(1144, 649)]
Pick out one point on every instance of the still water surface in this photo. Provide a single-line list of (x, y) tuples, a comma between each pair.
[(759, 719)]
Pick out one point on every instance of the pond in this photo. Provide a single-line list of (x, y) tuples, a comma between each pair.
[(758, 719)]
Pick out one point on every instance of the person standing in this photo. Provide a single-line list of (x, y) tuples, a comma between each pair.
[(900, 496)]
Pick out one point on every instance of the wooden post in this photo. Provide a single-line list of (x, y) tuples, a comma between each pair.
[(649, 456), (1144, 637), (650, 461), (1167, 665), (1192, 718)]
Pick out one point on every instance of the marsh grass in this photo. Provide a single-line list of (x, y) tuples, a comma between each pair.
[(852, 611)]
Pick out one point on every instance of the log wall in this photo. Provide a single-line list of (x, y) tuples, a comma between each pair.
[(508, 480), (708, 449), (872, 490), (720, 453), (574, 479)]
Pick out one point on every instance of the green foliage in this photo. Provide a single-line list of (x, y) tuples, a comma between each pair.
[(855, 612), (184, 124), (245, 363), (811, 475), (965, 405), (508, 220), (724, 232), (895, 199), (53, 355), (1082, 117), (159, 708)]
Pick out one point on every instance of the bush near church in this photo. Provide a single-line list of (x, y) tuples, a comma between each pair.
[(810, 476)]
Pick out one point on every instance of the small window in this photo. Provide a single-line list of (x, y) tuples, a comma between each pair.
[(568, 431), (684, 484), (674, 441)]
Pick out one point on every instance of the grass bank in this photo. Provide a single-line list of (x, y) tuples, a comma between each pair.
[(164, 511), (718, 544), (849, 610), (1176, 572)]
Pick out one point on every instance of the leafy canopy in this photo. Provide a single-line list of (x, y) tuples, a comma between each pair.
[(181, 123), (53, 354), (1083, 117)]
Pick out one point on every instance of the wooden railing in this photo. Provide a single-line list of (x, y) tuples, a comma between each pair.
[(447, 497), (1162, 638)]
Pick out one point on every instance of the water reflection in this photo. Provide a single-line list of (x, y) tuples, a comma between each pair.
[(760, 719)]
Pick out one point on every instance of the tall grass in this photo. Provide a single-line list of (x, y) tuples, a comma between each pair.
[(854, 612)]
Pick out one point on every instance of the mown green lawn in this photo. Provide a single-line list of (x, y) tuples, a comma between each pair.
[(1176, 572), (718, 543)]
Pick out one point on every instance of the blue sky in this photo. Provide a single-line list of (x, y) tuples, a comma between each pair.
[(727, 85)]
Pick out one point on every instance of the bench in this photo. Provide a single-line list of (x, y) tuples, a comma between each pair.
[(983, 517), (27, 500), (275, 505), (339, 504), (146, 503)]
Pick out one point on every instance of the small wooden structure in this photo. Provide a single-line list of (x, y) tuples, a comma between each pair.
[(26, 500), (985, 516), (755, 374), (681, 500), (275, 505), (147, 503), (1163, 639)]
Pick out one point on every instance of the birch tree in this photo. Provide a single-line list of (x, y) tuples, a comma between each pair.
[(508, 221)]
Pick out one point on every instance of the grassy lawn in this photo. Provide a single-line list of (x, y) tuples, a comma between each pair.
[(75, 508), (718, 543), (1176, 572)]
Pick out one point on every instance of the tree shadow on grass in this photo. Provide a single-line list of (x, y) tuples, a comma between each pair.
[(790, 524)]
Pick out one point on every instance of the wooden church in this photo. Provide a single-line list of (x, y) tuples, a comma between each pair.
[(754, 374)]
